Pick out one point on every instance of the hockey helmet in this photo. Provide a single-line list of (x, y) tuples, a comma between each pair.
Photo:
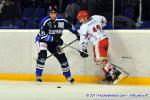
[(82, 14), (52, 9)]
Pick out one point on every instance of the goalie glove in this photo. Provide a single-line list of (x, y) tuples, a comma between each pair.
[(84, 53)]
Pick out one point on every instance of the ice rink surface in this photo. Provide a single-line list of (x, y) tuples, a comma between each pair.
[(48, 91)]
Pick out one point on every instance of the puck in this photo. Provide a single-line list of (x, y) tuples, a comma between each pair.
[(58, 86)]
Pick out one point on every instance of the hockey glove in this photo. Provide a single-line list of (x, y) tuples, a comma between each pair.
[(38, 38), (49, 38), (74, 31), (60, 42), (78, 36), (84, 53)]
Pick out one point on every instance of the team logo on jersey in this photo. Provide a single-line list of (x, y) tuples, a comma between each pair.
[(60, 24), (42, 33), (49, 25)]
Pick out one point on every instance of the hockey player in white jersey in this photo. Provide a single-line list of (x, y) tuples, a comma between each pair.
[(91, 30)]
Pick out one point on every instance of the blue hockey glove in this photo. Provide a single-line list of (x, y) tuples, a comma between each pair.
[(74, 31), (38, 38), (49, 38), (60, 42)]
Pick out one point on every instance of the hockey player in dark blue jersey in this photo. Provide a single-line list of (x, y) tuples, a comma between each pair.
[(49, 38)]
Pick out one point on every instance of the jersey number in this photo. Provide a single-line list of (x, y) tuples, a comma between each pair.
[(95, 28)]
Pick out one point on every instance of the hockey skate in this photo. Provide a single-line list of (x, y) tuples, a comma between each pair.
[(112, 74), (107, 79), (117, 76), (70, 80), (38, 79)]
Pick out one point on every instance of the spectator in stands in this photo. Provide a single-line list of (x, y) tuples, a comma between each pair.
[(9, 11), (47, 3), (39, 3), (64, 5), (131, 9), (91, 7), (122, 22), (26, 3), (128, 8), (1, 5), (84, 5), (146, 9), (71, 11), (104, 7)]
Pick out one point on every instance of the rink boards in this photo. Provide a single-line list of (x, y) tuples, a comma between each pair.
[(129, 49)]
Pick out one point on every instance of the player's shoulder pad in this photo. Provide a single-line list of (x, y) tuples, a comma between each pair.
[(63, 18), (83, 29), (97, 16), (44, 20), (83, 26)]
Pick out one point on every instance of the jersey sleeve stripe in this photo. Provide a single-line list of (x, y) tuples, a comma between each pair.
[(45, 22), (62, 20)]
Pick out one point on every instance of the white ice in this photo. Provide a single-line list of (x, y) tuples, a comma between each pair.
[(48, 91)]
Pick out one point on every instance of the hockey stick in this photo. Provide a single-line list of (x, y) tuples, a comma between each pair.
[(72, 47), (76, 49), (111, 63), (64, 47), (121, 69)]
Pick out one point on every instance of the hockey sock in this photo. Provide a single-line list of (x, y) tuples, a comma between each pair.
[(66, 69), (40, 67)]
